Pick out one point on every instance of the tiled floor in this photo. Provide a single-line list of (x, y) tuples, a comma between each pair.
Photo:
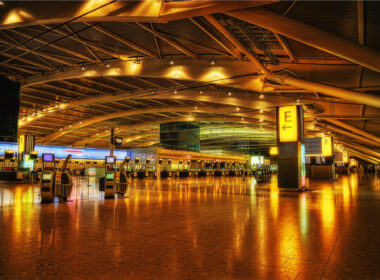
[(226, 228)]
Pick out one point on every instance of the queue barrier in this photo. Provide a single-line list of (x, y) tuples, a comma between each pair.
[(63, 185), (121, 188)]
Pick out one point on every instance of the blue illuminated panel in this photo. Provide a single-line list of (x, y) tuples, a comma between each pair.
[(62, 152)]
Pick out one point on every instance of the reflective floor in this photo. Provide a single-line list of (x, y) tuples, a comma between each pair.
[(227, 228)]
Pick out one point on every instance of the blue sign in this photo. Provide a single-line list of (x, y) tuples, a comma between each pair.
[(5, 146), (62, 152)]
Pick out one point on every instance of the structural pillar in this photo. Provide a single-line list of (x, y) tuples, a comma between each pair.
[(290, 134), (9, 109)]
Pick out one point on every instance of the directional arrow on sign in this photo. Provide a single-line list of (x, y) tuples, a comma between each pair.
[(284, 127)]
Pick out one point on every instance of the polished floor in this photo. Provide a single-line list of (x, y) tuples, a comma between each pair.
[(227, 228)]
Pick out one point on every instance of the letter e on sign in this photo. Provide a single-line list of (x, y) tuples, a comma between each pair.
[(288, 124)]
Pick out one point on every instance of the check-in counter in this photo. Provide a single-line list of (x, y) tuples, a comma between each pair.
[(202, 173), (217, 173), (322, 172)]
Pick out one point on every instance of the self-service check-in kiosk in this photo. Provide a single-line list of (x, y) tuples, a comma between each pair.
[(109, 187), (121, 180), (63, 182), (47, 178)]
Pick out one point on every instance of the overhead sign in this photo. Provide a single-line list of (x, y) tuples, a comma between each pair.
[(21, 144), (326, 146), (288, 124), (345, 157), (313, 146), (62, 152), (273, 151)]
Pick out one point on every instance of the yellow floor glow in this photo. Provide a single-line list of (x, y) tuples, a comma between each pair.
[(222, 228)]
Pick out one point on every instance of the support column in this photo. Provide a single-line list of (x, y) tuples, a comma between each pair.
[(9, 109), (290, 134), (112, 143)]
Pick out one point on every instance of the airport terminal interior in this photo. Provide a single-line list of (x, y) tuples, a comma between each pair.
[(187, 140)]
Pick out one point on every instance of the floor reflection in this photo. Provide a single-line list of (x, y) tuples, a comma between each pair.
[(212, 228)]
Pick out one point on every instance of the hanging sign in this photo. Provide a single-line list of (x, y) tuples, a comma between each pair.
[(326, 146)]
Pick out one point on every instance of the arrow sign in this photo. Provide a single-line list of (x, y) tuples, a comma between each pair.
[(284, 127)]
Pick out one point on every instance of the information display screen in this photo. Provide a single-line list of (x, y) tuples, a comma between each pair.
[(110, 160), (118, 141), (48, 157), (46, 176), (109, 176)]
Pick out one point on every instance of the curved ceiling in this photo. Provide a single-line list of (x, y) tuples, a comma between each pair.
[(125, 64)]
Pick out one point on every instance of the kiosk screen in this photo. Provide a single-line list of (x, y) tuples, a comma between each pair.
[(109, 176), (46, 176), (47, 157)]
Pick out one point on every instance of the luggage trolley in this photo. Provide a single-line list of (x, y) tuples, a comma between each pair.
[(47, 178), (63, 181), (109, 188)]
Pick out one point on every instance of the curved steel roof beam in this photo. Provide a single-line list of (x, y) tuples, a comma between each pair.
[(120, 114), (311, 36), (226, 72), (157, 122), (30, 13), (241, 100), (345, 94)]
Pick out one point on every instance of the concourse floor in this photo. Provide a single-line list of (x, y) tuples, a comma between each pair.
[(226, 228)]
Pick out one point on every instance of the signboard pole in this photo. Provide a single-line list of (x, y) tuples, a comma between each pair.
[(112, 141), (290, 136)]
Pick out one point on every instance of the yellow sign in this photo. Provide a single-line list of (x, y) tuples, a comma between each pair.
[(288, 124), (273, 151), (326, 146), (345, 157), (21, 144)]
